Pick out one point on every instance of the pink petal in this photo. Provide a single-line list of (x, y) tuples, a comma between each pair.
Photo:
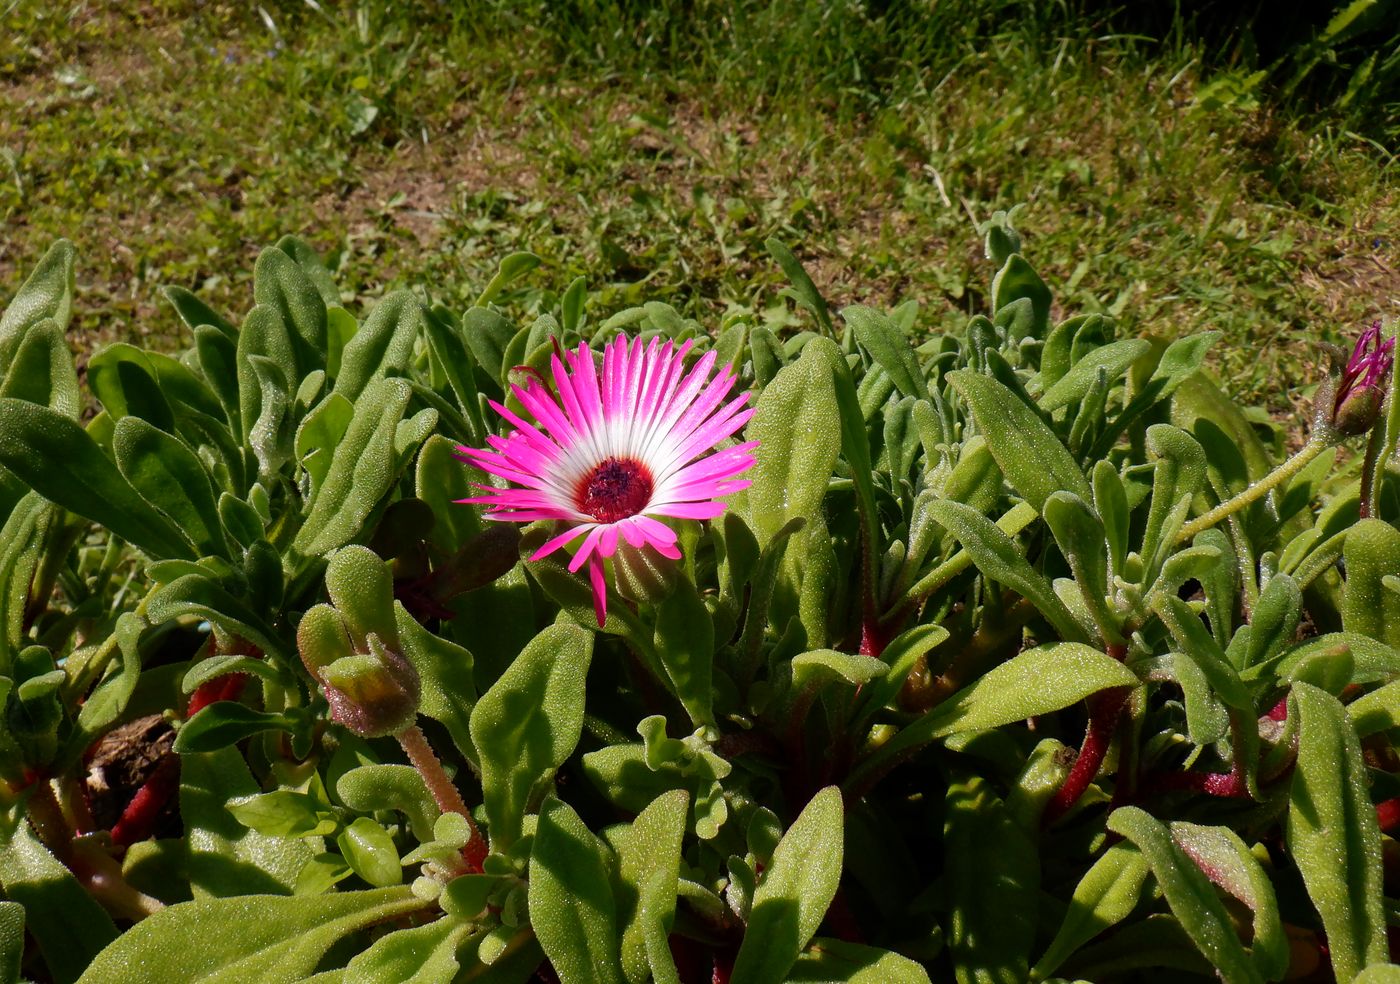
[(600, 591)]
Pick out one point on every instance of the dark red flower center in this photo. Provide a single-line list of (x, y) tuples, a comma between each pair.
[(615, 489)]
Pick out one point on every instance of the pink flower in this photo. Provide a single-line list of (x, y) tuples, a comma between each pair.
[(608, 453)]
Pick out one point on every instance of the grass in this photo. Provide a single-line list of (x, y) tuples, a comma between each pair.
[(418, 145)]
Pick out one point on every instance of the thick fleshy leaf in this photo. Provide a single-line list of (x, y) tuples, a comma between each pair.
[(123, 378), (1029, 684), (1104, 897), (1113, 359), (362, 471), (280, 284), (528, 723), (170, 477), (69, 926), (46, 294), (791, 900), (445, 672), (21, 547), (685, 646), (383, 346), (1333, 834), (993, 874), (1017, 279), (829, 960), (889, 347), (1177, 478), (802, 290), (795, 422), (572, 909), (1030, 455), (997, 558), (224, 857), (1372, 551), (224, 723), (369, 851), (422, 954), (11, 941), (238, 940), (57, 458), (196, 594), (649, 856), (42, 371), (1226, 860), (1189, 893)]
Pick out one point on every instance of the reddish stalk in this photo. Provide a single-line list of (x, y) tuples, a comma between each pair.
[(1105, 708), (1388, 813), (138, 820), (212, 691), (449, 800)]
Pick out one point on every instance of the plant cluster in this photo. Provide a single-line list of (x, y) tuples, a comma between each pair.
[(426, 646)]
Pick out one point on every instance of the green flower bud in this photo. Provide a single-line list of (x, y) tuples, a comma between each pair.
[(642, 575), (1359, 412), (372, 692)]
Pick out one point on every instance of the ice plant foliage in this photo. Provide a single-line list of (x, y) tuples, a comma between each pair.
[(222, 607), (612, 452)]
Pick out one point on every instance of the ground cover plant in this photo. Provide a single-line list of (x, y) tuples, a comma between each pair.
[(413, 643)]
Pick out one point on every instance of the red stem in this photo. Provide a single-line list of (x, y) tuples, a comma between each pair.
[(212, 691), (1105, 708), (138, 820), (1388, 813)]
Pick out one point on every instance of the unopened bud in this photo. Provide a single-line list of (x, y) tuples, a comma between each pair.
[(642, 575), (1359, 412), (373, 692)]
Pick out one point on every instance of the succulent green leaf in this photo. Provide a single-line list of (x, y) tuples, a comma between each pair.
[(445, 671), (170, 477), (572, 909), (1226, 860), (1189, 893), (1037, 681), (993, 873), (996, 556), (853, 963), (1332, 832), (1017, 279), (528, 723), (1027, 450), (362, 471), (794, 422), (281, 285), (649, 856), (1372, 551), (795, 892), (1104, 897), (42, 371), (57, 458), (67, 923), (46, 294), (239, 940), (803, 290), (1113, 359), (383, 346), (423, 955), (889, 347), (370, 852), (685, 644)]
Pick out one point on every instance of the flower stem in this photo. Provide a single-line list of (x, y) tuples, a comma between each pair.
[(1256, 491), (444, 793)]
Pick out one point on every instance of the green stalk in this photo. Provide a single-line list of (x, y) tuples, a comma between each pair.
[(1256, 491)]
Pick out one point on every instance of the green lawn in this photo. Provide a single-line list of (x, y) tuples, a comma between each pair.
[(172, 140)]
